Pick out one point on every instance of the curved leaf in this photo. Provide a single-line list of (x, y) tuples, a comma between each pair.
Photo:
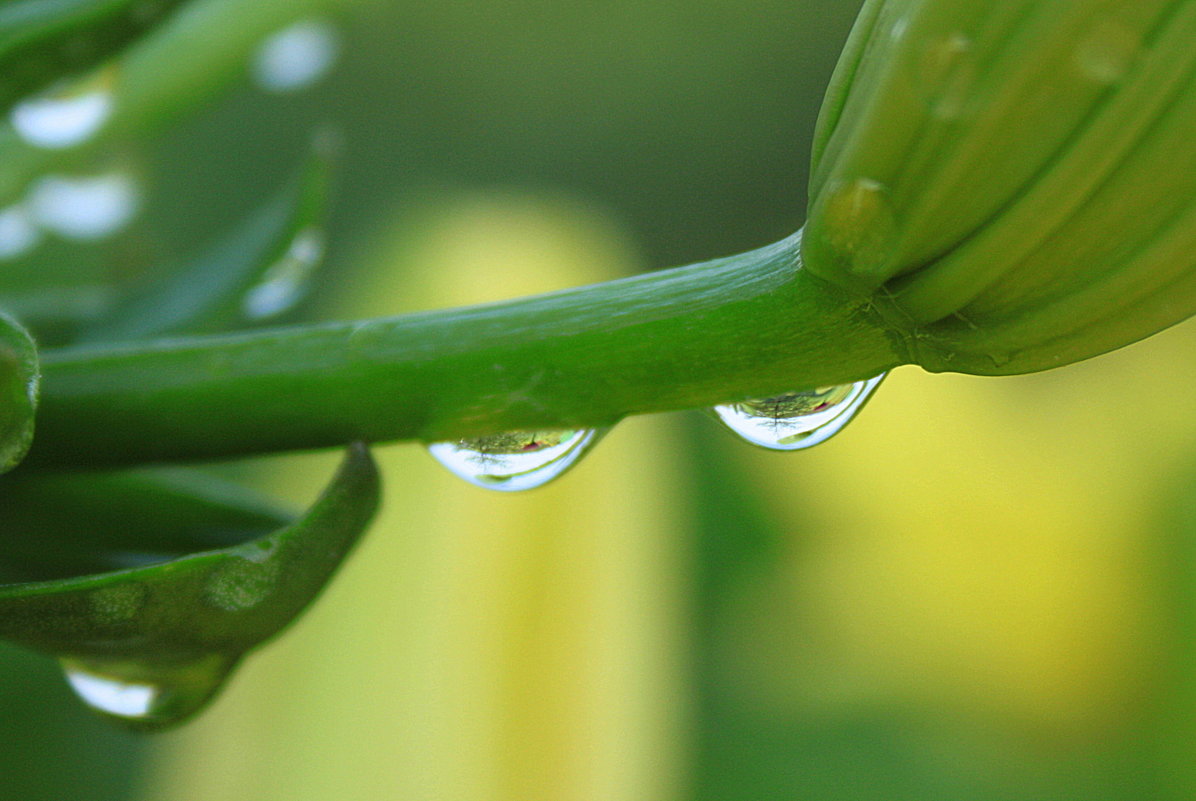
[(150, 646), (64, 525), (254, 274), (44, 40), (19, 380)]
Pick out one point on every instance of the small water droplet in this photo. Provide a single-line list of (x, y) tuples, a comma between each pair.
[(67, 115), (1106, 53), (118, 603), (285, 282), (861, 227), (84, 207), (18, 234), (144, 695), (517, 460), (296, 56), (243, 583), (797, 420), (948, 74)]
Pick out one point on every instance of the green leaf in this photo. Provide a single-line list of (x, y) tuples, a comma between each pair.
[(44, 40), (19, 382), (254, 274), (150, 646), (62, 525)]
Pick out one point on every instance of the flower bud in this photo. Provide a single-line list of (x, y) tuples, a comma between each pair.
[(1013, 182)]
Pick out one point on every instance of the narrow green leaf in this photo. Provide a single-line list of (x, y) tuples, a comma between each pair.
[(61, 525), (253, 275), (151, 646), (44, 40), (19, 382)]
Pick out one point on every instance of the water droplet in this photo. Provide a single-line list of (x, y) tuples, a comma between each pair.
[(517, 460), (285, 282), (296, 56), (948, 75), (67, 115), (84, 207), (861, 227), (1106, 53), (244, 583), (144, 695), (18, 234), (118, 603), (797, 420)]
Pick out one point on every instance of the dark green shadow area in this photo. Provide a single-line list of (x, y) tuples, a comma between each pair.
[(55, 749)]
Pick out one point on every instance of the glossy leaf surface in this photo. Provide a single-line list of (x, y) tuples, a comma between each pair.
[(172, 631), (62, 525), (255, 273)]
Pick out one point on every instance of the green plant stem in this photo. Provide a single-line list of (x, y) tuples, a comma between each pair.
[(747, 326)]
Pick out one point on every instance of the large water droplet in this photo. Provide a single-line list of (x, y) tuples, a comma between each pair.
[(797, 420), (285, 282), (84, 207), (144, 695), (296, 56), (67, 115), (517, 460)]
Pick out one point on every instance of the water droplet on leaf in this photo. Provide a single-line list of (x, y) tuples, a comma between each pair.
[(1107, 52), (517, 460), (18, 234), (84, 207), (67, 115), (797, 420), (296, 56), (243, 583), (286, 281), (861, 227), (949, 75), (145, 695), (117, 603)]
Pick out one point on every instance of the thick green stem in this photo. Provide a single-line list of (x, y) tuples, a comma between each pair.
[(746, 326)]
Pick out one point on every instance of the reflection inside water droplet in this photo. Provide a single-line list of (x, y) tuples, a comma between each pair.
[(286, 281), (296, 56), (797, 420), (143, 695), (126, 700), (84, 207), (518, 460)]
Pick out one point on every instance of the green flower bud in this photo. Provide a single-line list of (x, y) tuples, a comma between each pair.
[(1013, 182)]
